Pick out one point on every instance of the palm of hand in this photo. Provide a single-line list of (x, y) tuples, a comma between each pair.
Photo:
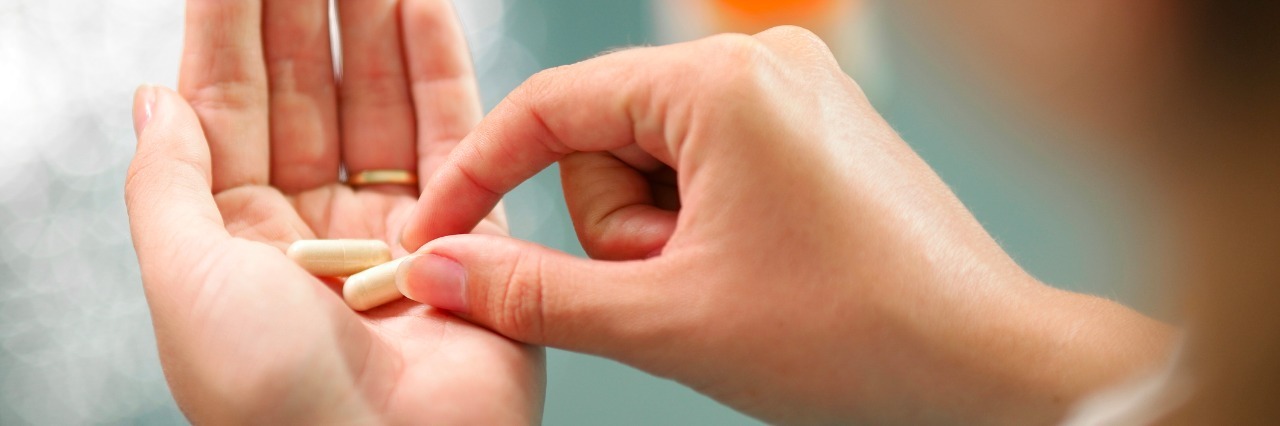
[(289, 332), (244, 333)]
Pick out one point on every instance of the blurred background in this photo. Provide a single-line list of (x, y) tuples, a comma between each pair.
[(76, 343)]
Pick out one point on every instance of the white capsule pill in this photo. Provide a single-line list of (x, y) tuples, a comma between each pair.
[(373, 287), (338, 258)]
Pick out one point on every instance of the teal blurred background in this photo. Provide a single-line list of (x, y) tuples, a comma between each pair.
[(75, 340)]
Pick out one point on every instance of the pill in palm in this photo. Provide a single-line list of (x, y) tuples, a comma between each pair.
[(373, 287), (338, 258)]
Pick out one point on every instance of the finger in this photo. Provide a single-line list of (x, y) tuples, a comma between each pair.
[(304, 111), (443, 83), (540, 296), (612, 207), (597, 105), (168, 188), (375, 107), (224, 78)]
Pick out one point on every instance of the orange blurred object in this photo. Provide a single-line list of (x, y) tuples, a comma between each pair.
[(756, 15), (765, 8), (839, 23)]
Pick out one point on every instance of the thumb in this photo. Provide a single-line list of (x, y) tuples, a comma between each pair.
[(540, 296), (172, 213), (167, 190)]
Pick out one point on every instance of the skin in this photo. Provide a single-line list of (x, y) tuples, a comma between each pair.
[(924, 319), (813, 269), (245, 160)]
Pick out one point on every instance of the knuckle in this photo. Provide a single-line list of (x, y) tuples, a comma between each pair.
[(131, 191), (375, 87), (741, 63), (529, 94), (801, 36), (151, 170), (804, 49), (231, 94), (737, 50), (518, 310), (539, 84), (138, 178), (801, 46)]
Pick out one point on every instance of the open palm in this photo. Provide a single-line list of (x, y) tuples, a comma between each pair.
[(222, 184)]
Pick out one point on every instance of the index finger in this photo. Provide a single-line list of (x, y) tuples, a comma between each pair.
[(224, 77), (601, 104)]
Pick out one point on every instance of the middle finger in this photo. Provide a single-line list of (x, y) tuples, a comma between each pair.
[(304, 115), (376, 108)]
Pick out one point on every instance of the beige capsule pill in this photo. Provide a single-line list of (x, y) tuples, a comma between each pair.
[(373, 287), (338, 258)]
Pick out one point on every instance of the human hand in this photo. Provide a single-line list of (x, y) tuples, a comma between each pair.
[(221, 186), (811, 268)]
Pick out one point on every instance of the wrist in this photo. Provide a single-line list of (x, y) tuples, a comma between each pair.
[(1004, 348), (1037, 350)]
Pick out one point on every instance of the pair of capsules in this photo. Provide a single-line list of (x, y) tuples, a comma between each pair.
[(367, 264)]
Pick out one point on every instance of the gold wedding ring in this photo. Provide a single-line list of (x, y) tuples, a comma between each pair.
[(383, 177)]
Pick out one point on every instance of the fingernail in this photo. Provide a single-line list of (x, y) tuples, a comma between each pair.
[(408, 226), (434, 280), (144, 102)]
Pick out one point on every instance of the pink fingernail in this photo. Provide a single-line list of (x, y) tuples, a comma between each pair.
[(434, 280), (144, 102)]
